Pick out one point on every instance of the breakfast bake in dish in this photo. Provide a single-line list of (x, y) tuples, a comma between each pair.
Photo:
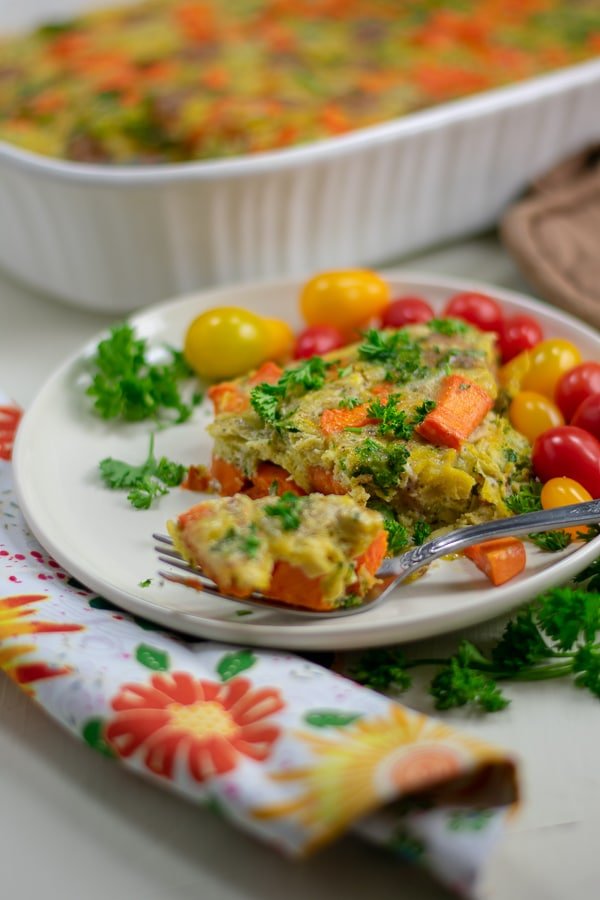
[(176, 80)]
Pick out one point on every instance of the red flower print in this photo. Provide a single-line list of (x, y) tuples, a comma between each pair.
[(202, 724), (10, 417)]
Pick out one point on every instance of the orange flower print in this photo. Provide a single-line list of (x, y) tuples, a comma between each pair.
[(206, 725), (10, 416)]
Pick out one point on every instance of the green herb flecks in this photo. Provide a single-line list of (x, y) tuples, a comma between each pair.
[(144, 483), (349, 403), (287, 509), (448, 326), (246, 542), (126, 385)]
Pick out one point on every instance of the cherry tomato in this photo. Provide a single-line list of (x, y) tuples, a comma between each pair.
[(518, 333), (316, 340), (549, 361), (345, 299), (225, 342), (575, 386), (406, 311), (532, 414), (568, 451), (480, 310), (564, 492), (281, 338), (587, 415)]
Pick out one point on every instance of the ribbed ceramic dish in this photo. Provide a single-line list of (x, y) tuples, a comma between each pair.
[(118, 238)]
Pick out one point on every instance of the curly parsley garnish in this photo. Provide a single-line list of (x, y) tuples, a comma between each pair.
[(421, 532), (401, 354), (126, 385), (383, 463), (526, 499), (266, 399), (146, 482), (551, 541), (554, 637)]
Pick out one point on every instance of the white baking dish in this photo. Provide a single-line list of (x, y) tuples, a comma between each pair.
[(117, 238)]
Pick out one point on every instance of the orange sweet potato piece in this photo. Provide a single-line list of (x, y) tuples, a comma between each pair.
[(373, 555), (199, 511), (333, 420), (268, 373), (231, 479), (461, 406), (228, 397), (266, 475), (323, 482), (291, 585), (500, 559)]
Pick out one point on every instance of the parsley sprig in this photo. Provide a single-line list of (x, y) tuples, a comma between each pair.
[(266, 398), (144, 483), (126, 385), (554, 637)]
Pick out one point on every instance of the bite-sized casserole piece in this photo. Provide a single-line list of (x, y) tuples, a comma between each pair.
[(319, 552), (403, 421)]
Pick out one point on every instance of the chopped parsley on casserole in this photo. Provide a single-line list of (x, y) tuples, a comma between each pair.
[(403, 421)]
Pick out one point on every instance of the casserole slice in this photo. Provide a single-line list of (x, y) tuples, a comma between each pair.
[(319, 552)]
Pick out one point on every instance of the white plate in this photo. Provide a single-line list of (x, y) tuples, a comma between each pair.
[(107, 545)]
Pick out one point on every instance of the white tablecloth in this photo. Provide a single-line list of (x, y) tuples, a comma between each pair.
[(76, 827)]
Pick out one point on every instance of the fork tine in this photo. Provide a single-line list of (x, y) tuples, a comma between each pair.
[(179, 563), (163, 538), (169, 551)]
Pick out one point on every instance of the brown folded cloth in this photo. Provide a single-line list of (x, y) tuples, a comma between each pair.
[(553, 233)]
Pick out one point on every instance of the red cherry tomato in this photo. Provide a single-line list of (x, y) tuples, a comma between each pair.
[(575, 386), (518, 333), (587, 415), (571, 452), (480, 310), (406, 311), (318, 339)]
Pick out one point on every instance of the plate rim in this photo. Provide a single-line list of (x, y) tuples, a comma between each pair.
[(507, 597)]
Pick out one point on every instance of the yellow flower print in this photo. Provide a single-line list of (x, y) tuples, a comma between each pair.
[(371, 762)]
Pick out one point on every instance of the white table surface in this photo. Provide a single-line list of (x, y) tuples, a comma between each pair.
[(75, 826)]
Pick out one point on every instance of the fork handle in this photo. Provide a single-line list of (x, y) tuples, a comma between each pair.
[(587, 513)]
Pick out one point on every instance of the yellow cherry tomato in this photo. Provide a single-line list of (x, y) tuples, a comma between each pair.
[(345, 299), (549, 361), (281, 339), (563, 492), (532, 414), (225, 342), (512, 373)]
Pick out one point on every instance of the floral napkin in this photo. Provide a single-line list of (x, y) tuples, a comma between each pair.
[(284, 748)]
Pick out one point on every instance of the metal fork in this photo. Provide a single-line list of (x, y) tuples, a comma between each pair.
[(397, 568)]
